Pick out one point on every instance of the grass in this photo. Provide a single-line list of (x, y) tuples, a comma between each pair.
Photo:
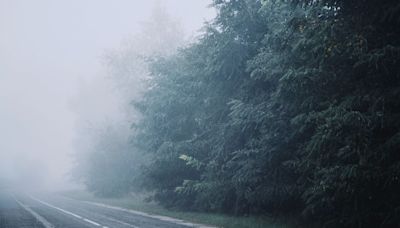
[(135, 202)]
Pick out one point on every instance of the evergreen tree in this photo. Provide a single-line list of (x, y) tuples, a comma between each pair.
[(283, 107)]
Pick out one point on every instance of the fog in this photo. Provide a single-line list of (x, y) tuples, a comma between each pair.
[(53, 76), (231, 113)]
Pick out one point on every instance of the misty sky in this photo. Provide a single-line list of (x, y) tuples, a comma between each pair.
[(48, 48)]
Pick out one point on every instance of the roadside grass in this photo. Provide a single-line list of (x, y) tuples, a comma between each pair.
[(136, 202)]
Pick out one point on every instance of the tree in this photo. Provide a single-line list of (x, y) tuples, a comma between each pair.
[(281, 107), (107, 162)]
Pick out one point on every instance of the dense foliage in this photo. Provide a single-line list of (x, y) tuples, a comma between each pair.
[(106, 161), (284, 108), (108, 168)]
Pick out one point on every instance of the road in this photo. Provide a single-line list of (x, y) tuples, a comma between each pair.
[(55, 211)]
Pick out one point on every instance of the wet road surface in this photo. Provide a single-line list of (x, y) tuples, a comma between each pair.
[(50, 210)]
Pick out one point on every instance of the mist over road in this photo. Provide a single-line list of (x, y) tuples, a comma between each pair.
[(51, 210)]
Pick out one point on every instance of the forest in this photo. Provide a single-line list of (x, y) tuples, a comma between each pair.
[(285, 108)]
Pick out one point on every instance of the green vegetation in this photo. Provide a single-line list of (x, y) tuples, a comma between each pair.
[(280, 108), (136, 202)]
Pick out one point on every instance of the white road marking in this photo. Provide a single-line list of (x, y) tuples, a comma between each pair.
[(120, 222), (42, 220), (68, 212), (90, 221), (159, 217)]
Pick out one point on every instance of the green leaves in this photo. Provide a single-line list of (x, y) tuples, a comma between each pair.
[(280, 108), (190, 161)]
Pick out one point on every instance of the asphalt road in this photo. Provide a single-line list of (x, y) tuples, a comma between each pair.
[(49, 210)]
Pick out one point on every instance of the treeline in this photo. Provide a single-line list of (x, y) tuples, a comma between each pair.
[(283, 108)]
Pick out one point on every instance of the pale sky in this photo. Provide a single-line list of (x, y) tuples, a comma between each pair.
[(47, 48)]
